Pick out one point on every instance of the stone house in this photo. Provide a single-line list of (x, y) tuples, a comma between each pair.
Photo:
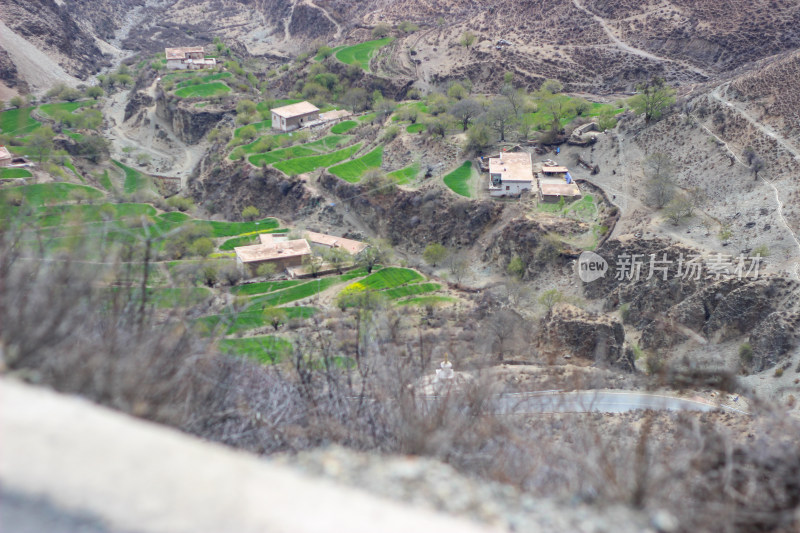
[(510, 174), (188, 58), (271, 250), (294, 116)]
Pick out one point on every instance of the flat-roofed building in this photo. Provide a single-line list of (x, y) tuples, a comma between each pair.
[(510, 174), (282, 254), (556, 183), (294, 116), (188, 58), (329, 241)]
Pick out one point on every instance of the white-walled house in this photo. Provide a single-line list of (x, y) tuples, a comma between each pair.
[(188, 58), (510, 174)]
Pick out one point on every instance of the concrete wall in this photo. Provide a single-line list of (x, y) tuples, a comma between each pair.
[(290, 124), (511, 188), (66, 454)]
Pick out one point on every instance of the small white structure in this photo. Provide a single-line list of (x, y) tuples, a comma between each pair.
[(294, 116), (510, 174), (5, 157), (188, 58)]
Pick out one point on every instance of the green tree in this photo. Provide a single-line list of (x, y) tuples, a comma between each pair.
[(378, 252), (266, 270), (407, 27), (551, 86), (250, 212), (516, 267), (457, 91), (93, 147), (40, 143), (550, 298), (654, 96), (434, 253), (16, 101), (500, 117), (467, 39), (312, 264), (248, 133), (325, 52), (337, 258), (69, 94), (479, 138), (437, 126), (202, 247), (465, 111), (275, 316)]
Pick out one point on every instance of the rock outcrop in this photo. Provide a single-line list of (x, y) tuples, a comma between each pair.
[(599, 338), (189, 123)]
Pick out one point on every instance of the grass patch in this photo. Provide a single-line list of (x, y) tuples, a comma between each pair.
[(344, 127), (203, 79), (387, 278), (263, 287), (50, 109), (405, 175), (40, 194), (321, 146), (247, 321), (266, 349), (168, 298), (244, 240), (231, 229), (260, 126), (134, 180), (18, 122), (411, 290), (175, 216), (204, 90), (353, 170), (105, 181), (415, 128), (302, 290), (301, 165), (11, 173), (458, 180), (360, 54), (369, 117), (72, 135)]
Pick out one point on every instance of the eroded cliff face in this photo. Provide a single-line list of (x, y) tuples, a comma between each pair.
[(760, 309), (9, 75), (52, 29), (190, 124), (414, 219)]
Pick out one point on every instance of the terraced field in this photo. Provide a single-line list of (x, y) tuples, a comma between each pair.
[(321, 146), (361, 54), (134, 180), (266, 349), (353, 170), (11, 173), (301, 165), (344, 127), (204, 90), (40, 194), (458, 180), (18, 122), (405, 175)]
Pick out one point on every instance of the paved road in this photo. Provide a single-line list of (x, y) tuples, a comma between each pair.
[(600, 402)]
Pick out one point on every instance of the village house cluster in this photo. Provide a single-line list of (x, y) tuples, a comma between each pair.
[(289, 255), (188, 58), (511, 173)]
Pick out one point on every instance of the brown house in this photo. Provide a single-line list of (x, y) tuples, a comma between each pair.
[(282, 254), (294, 116), (188, 58)]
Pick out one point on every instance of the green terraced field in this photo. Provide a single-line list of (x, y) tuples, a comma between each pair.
[(415, 128), (387, 278), (203, 79), (61, 215), (360, 54), (411, 290), (344, 127), (405, 175), (266, 349), (244, 240), (353, 170), (232, 229), (458, 180), (303, 290), (249, 289), (321, 146), (300, 165), (49, 193), (18, 122), (50, 109), (367, 118), (204, 90), (11, 173), (105, 181), (168, 298), (253, 320), (134, 180)]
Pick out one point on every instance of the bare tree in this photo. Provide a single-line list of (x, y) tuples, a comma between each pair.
[(500, 117)]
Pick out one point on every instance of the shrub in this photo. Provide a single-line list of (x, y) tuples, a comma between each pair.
[(516, 266), (746, 354), (250, 212), (381, 30)]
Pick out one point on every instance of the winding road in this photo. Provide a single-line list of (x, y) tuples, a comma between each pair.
[(599, 402)]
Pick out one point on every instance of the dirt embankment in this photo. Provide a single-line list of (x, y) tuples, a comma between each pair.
[(227, 189), (413, 219)]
